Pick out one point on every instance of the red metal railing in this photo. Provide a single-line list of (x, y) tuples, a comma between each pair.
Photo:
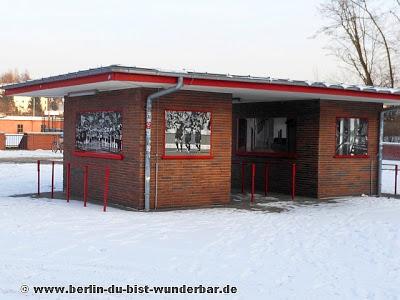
[(68, 187), (293, 181), (85, 185), (39, 164), (52, 179), (106, 187), (253, 177), (68, 183), (266, 180), (395, 169), (38, 178)]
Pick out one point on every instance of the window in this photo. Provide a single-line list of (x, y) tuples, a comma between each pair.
[(266, 135), (351, 137), (20, 128)]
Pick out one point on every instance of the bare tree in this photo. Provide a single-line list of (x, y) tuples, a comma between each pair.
[(7, 104), (35, 107), (377, 22), (360, 38), (14, 76), (395, 11)]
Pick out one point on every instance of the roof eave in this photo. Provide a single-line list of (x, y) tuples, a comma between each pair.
[(130, 74)]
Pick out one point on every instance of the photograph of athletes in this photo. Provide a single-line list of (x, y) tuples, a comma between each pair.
[(99, 132), (187, 133)]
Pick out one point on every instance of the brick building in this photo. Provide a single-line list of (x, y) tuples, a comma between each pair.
[(175, 139), (21, 124), (30, 133)]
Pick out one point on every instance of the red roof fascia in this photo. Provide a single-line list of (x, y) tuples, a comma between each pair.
[(61, 83), (221, 83), (253, 86)]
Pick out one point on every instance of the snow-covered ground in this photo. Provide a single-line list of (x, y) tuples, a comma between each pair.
[(29, 153), (344, 250), (29, 156)]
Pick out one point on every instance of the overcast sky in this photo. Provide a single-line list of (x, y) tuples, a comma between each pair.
[(263, 38)]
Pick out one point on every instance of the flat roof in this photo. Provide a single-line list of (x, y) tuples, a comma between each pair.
[(243, 88)]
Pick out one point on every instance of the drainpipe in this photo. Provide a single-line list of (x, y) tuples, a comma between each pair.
[(149, 102), (380, 154)]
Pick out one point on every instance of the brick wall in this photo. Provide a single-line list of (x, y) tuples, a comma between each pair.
[(180, 182), (126, 187), (10, 126), (194, 182), (306, 114), (40, 140), (2, 141), (347, 176)]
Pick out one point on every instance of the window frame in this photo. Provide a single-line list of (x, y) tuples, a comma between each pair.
[(358, 156), (18, 128), (280, 154)]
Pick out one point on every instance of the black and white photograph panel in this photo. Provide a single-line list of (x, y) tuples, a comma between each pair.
[(187, 133), (351, 136), (99, 132)]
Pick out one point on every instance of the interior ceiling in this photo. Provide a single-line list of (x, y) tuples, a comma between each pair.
[(239, 95)]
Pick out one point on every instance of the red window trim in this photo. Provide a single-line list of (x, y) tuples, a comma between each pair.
[(182, 156), (351, 156), (347, 156), (187, 157), (98, 155), (20, 128), (92, 154)]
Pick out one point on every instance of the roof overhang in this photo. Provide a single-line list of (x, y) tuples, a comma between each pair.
[(242, 88)]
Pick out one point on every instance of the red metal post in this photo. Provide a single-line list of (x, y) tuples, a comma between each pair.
[(242, 177), (38, 178), (293, 181), (395, 179), (266, 179), (85, 185), (68, 181), (106, 186), (253, 176), (52, 179)]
